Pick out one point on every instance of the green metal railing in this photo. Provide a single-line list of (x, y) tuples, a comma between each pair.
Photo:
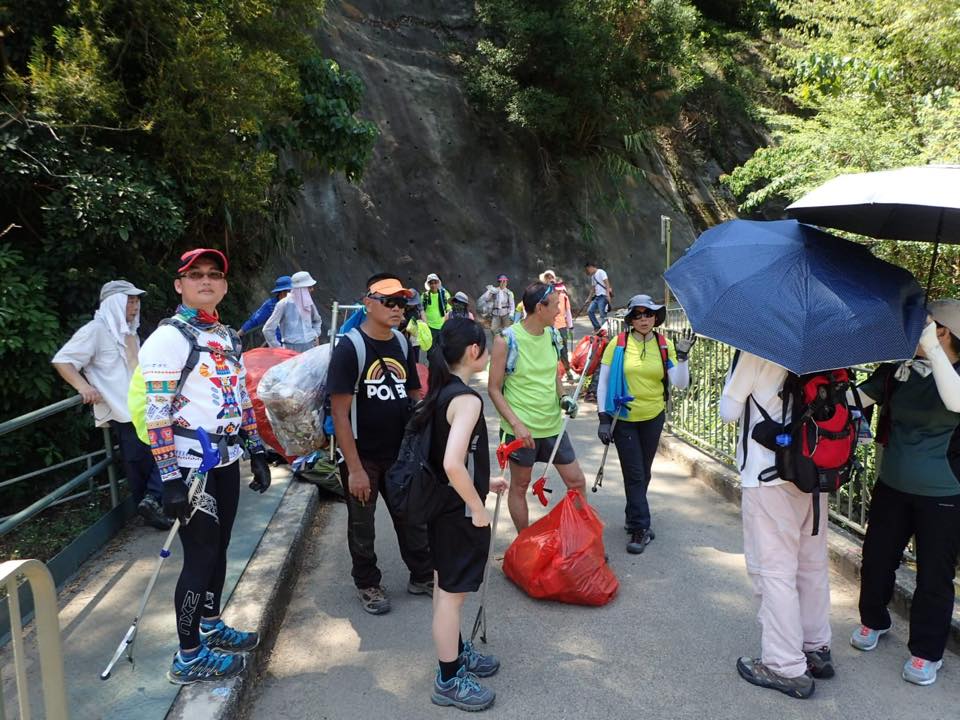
[(694, 415), (94, 464)]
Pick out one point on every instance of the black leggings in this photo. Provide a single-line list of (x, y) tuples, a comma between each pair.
[(205, 543)]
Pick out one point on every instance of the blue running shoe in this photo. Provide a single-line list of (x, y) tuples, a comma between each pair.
[(462, 691), (224, 638), (207, 666), (480, 665), (919, 671), (865, 638)]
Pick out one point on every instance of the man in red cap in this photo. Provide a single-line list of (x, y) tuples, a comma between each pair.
[(373, 383), (195, 378)]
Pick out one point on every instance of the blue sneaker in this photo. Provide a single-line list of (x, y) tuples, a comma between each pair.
[(207, 666), (480, 665), (865, 638), (224, 638), (462, 691), (920, 671)]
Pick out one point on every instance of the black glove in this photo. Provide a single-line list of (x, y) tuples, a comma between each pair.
[(604, 432), (261, 471), (684, 344), (175, 504)]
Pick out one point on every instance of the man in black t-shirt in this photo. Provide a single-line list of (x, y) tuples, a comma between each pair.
[(386, 387)]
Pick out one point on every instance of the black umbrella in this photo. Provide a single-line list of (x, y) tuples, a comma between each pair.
[(911, 203)]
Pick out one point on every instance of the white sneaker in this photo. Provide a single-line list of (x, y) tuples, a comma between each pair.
[(865, 638)]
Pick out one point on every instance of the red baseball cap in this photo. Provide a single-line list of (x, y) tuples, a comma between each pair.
[(191, 256)]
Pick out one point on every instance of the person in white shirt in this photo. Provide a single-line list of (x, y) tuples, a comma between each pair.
[(602, 292), (297, 317), (503, 304), (785, 561), (98, 362)]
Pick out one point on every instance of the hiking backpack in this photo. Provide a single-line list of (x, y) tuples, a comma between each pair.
[(413, 490), (816, 449), (137, 390), (513, 349)]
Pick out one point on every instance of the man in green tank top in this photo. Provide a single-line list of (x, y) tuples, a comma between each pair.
[(525, 388)]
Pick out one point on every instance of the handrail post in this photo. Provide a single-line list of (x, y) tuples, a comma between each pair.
[(47, 625), (111, 468)]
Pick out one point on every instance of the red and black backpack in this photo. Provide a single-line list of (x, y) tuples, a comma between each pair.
[(816, 448)]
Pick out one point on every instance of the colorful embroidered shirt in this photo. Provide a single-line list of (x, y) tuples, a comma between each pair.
[(214, 395)]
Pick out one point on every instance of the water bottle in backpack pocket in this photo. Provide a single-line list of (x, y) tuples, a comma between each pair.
[(816, 448)]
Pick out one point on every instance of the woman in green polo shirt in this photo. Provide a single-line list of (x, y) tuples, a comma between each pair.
[(917, 493), (642, 364)]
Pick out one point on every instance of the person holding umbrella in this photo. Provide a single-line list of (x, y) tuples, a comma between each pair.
[(787, 563), (641, 363), (917, 493), (460, 534)]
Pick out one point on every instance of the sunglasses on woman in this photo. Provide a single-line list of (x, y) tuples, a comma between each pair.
[(643, 314), (389, 301)]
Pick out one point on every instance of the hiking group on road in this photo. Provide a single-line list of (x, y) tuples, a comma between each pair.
[(192, 377)]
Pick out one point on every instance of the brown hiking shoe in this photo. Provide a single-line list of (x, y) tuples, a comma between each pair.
[(374, 600), (756, 673)]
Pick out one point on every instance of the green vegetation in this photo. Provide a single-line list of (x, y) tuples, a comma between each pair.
[(129, 131), (872, 85)]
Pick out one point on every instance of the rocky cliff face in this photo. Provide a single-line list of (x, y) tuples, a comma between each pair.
[(447, 191)]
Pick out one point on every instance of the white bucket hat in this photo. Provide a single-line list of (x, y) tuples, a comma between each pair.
[(461, 297), (544, 274), (431, 276), (302, 279), (947, 313)]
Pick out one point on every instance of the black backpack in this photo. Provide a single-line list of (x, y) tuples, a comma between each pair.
[(414, 493)]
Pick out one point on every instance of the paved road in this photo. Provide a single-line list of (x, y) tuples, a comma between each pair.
[(98, 605), (664, 648)]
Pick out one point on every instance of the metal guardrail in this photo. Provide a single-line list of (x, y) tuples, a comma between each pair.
[(694, 415), (87, 476), (48, 638)]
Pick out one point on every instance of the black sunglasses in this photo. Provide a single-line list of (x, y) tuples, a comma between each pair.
[(644, 313), (389, 301)]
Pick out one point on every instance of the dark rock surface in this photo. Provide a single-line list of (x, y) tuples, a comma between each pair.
[(448, 191)]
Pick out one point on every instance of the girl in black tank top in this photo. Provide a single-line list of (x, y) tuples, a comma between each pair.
[(460, 535)]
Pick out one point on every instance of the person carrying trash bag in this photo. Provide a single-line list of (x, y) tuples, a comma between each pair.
[(460, 533), (524, 387), (784, 548), (917, 493), (641, 364), (194, 377)]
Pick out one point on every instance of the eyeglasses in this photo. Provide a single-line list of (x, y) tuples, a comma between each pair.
[(389, 301), (198, 275), (546, 294), (643, 313)]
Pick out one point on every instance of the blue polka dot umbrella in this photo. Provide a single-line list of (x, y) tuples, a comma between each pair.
[(797, 296)]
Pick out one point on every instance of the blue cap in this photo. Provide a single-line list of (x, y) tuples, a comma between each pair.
[(284, 284)]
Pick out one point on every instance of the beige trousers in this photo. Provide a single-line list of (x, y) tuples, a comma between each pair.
[(790, 573)]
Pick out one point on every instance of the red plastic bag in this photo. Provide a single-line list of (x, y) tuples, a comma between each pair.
[(257, 362), (580, 353), (561, 557), (423, 374)]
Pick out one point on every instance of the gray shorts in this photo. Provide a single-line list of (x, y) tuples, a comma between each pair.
[(528, 457)]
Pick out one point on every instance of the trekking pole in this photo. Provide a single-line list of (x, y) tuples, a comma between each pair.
[(539, 488), (480, 623), (618, 404), (582, 308), (211, 458)]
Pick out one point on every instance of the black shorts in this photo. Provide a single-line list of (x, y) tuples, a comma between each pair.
[(459, 550), (528, 457)]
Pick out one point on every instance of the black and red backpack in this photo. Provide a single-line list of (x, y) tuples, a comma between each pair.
[(816, 448)]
